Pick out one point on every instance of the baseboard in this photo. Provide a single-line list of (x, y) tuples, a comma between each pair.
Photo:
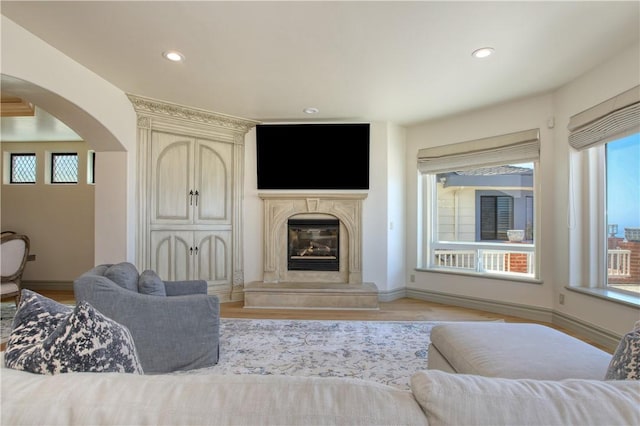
[(512, 309), (48, 285), (391, 295), (588, 330), (593, 332)]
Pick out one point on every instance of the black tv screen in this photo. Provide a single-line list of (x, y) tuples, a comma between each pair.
[(312, 156)]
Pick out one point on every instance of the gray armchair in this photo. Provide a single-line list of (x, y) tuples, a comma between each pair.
[(176, 331)]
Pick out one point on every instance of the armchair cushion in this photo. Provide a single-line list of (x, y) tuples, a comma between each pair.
[(177, 332), (151, 284), (124, 274), (51, 338)]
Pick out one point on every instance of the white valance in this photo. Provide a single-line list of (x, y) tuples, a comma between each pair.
[(612, 119), (518, 147)]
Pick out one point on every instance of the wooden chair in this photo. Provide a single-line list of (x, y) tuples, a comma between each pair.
[(14, 250)]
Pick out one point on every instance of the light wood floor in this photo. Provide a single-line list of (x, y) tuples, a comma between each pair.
[(404, 309)]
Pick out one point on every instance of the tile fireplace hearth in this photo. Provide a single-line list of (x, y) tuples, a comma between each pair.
[(312, 254)]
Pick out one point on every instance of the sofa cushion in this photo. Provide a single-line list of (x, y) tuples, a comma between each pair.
[(124, 274), (517, 351), (625, 363), (202, 399), (151, 284), (460, 399), (50, 338)]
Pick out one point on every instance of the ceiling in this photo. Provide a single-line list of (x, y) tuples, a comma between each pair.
[(403, 62)]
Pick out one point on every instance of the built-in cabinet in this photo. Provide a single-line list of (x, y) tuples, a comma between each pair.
[(190, 186)]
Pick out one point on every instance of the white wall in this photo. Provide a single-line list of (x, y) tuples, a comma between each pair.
[(95, 109), (376, 217), (496, 120), (58, 219), (617, 75), (396, 210)]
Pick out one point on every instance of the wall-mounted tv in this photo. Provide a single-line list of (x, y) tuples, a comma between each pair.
[(313, 156)]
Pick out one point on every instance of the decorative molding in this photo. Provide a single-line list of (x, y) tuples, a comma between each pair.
[(143, 105), (13, 106), (144, 122)]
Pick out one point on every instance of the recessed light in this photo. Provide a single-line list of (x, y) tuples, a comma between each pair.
[(311, 110), (482, 52), (173, 56)]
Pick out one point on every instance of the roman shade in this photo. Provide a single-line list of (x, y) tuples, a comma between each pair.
[(518, 147), (612, 119)]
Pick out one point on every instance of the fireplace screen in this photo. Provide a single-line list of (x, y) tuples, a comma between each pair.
[(313, 245)]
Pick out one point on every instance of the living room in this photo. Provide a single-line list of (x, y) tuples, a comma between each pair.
[(391, 258)]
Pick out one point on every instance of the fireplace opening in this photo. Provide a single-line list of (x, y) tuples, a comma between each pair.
[(313, 245)]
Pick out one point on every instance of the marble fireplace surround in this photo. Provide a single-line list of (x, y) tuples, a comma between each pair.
[(280, 207)]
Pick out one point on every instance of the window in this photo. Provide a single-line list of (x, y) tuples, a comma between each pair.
[(496, 216), (64, 168), (478, 211), (607, 137), (91, 167), (623, 213), (23, 168)]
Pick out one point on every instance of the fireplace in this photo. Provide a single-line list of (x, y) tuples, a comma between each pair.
[(313, 245), (280, 208), (328, 275)]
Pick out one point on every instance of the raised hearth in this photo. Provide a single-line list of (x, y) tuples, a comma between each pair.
[(311, 295)]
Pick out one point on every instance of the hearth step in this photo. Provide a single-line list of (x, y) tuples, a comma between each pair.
[(293, 295)]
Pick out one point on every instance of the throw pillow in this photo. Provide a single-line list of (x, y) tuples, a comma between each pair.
[(50, 338), (150, 283), (625, 363), (124, 274)]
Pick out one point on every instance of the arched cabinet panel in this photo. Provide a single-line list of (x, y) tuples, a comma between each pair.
[(171, 179)]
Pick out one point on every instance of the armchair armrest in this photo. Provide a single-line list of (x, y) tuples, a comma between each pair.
[(180, 288)]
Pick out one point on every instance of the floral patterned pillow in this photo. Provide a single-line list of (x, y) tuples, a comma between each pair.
[(49, 338), (625, 364)]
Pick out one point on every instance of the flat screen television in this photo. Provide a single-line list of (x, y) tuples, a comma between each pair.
[(312, 156)]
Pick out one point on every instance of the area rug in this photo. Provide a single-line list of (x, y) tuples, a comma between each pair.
[(7, 311), (387, 352)]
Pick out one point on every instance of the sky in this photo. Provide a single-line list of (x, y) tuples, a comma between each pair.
[(623, 183)]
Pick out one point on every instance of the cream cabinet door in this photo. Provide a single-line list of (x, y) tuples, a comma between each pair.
[(172, 174), (172, 254), (213, 179), (213, 260), (190, 180), (189, 255)]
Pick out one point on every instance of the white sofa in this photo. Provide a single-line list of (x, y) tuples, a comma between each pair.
[(436, 398)]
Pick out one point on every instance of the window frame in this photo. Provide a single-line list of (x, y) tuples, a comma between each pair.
[(603, 219), (52, 170), (589, 132), (429, 243), (12, 155)]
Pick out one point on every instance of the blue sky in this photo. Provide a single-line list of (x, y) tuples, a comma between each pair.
[(623, 183)]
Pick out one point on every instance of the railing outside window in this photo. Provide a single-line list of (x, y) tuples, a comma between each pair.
[(500, 258), (618, 263)]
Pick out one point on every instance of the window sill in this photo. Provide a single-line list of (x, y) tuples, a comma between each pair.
[(610, 295), (502, 277)]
